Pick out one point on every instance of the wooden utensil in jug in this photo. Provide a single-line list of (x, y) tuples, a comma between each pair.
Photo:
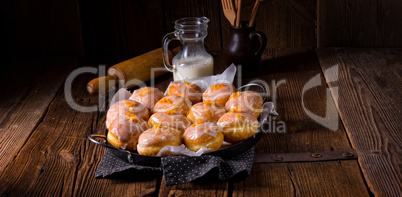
[(131, 72)]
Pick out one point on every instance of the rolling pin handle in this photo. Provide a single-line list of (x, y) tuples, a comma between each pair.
[(101, 84)]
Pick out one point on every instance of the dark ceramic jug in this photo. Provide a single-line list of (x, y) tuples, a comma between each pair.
[(244, 48)]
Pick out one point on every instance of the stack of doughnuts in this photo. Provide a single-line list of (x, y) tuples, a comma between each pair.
[(240, 122), (149, 121)]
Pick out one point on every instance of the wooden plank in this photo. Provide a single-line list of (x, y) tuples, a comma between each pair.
[(176, 9), (369, 102), (30, 85), (45, 28), (195, 189), (303, 179), (359, 23), (303, 134), (285, 23), (46, 164), (270, 180), (125, 28)]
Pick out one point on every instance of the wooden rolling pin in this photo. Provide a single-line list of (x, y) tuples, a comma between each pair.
[(131, 72)]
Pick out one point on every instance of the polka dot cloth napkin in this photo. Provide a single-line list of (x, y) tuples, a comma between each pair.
[(183, 169), (111, 164)]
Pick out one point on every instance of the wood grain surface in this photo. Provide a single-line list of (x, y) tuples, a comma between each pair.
[(286, 23), (369, 103), (195, 189), (130, 28), (58, 159), (359, 23), (303, 179), (29, 85), (303, 134)]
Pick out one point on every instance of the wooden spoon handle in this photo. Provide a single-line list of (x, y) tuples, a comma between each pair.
[(238, 13), (101, 84), (254, 13)]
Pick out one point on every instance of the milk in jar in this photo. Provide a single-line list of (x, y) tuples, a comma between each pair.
[(194, 67)]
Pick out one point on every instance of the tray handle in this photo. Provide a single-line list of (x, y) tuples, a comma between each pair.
[(93, 137), (264, 95)]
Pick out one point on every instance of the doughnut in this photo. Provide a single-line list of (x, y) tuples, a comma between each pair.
[(125, 130), (148, 96), (153, 140), (237, 127), (187, 90), (247, 101), (173, 105), (122, 107), (176, 121), (201, 134), (219, 93), (208, 111)]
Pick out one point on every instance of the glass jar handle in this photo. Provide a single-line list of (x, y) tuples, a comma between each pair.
[(165, 50)]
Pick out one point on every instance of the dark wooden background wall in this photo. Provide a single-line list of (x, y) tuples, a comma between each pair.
[(126, 28)]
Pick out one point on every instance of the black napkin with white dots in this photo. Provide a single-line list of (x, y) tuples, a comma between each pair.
[(181, 169)]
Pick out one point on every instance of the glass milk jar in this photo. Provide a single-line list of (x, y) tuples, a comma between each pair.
[(193, 60)]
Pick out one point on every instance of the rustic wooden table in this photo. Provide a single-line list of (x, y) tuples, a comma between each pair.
[(44, 148)]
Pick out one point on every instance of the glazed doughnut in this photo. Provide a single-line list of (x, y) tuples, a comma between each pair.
[(148, 96), (125, 130), (124, 106), (200, 135), (219, 93), (173, 105), (153, 140), (176, 121), (237, 127), (208, 111), (187, 90), (247, 101)]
